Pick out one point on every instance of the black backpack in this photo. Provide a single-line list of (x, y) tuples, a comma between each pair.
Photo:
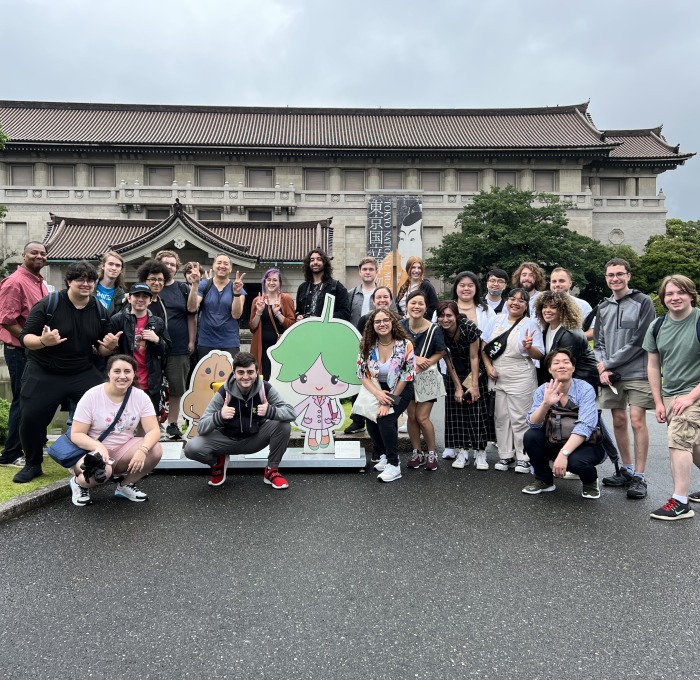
[(52, 306), (659, 322)]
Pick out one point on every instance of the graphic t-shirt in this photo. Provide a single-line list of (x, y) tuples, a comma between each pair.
[(98, 411), (140, 351), (104, 295)]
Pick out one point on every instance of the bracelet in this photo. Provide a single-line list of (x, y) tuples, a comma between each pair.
[(42, 342), (237, 294), (143, 448)]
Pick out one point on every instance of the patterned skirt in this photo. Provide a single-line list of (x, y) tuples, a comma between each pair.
[(467, 426)]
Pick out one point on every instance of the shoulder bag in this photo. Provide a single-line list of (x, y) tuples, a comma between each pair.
[(428, 384), (560, 422), (67, 454)]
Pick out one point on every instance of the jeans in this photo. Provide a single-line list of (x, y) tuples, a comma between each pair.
[(385, 432), (582, 461), (16, 360)]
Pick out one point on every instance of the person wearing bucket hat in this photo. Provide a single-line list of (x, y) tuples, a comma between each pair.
[(145, 337)]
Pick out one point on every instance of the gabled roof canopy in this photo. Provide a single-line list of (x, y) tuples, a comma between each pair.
[(70, 238)]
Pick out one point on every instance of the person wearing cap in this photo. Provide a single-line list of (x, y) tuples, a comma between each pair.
[(145, 337)]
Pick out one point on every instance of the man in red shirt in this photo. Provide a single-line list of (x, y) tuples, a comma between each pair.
[(19, 292)]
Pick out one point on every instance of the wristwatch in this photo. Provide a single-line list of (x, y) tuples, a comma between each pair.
[(565, 453)]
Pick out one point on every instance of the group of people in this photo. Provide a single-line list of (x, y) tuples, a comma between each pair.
[(506, 359)]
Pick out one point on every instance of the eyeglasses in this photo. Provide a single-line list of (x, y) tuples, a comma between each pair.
[(616, 275), (520, 301), (85, 279), (382, 322), (152, 280), (500, 282)]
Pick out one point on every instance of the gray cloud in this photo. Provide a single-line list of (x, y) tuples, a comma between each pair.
[(636, 61)]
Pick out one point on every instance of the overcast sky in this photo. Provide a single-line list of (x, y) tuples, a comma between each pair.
[(637, 61)]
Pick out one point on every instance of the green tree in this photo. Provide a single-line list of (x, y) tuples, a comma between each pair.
[(675, 252), (505, 227)]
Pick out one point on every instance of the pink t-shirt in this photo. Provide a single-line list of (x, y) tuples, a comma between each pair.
[(98, 410)]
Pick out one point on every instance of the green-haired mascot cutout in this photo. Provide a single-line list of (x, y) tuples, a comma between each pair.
[(312, 364)]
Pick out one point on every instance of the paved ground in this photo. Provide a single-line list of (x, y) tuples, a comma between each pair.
[(453, 574)]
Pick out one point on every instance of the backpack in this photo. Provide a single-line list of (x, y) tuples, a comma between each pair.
[(659, 322), (52, 305), (207, 288)]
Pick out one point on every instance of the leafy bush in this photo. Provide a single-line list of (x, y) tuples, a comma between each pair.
[(4, 417)]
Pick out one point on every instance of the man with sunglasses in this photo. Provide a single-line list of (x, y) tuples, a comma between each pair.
[(620, 326), (63, 333)]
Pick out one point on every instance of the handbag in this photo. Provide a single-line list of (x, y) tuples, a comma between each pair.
[(494, 348), (559, 424), (67, 454), (366, 404), (428, 384)]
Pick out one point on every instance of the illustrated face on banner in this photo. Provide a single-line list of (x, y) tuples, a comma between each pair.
[(410, 235), (312, 364)]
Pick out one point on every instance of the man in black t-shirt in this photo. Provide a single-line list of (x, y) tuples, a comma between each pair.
[(62, 334)]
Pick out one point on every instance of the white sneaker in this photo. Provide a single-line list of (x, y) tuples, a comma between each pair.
[(379, 467), (462, 460), (491, 449), (403, 428), (449, 454), (523, 466), (131, 493), (480, 462), (390, 473), (80, 495), (571, 475)]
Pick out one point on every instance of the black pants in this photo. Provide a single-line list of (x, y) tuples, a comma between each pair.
[(582, 461), (385, 432), (42, 394), (16, 360)]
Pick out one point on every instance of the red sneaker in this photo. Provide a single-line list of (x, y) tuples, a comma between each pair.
[(273, 477), (218, 471)]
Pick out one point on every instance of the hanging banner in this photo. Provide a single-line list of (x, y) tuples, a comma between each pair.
[(409, 217), (379, 225)]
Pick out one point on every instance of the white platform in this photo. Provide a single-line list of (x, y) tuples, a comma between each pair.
[(174, 459)]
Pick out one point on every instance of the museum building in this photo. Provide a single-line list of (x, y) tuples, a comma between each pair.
[(266, 185)]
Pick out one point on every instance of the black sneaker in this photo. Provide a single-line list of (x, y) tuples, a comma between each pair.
[(695, 497), (354, 427), (173, 431), (673, 510), (9, 459), (637, 488), (27, 473), (622, 478)]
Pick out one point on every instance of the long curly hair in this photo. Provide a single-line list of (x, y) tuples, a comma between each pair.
[(327, 266), (537, 272), (369, 337), (414, 259), (570, 314)]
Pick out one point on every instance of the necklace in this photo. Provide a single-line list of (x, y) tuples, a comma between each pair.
[(385, 344)]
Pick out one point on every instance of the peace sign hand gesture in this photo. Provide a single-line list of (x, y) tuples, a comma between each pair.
[(527, 340), (238, 283)]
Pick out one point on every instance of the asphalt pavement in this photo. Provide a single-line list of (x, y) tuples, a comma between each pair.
[(447, 574)]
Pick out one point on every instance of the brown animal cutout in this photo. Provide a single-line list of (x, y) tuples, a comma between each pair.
[(210, 372)]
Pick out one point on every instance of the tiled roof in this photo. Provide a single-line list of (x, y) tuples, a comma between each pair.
[(295, 128), (643, 144), (70, 238)]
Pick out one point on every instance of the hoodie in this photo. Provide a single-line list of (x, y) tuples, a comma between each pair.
[(619, 332), (246, 422)]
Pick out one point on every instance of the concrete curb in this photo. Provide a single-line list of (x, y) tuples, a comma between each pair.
[(20, 505)]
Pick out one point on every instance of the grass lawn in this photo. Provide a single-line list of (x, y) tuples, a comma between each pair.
[(8, 489)]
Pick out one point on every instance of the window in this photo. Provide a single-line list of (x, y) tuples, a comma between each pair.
[(63, 175), (21, 175), (262, 178), (260, 215), (104, 176), (544, 180), (392, 179), (315, 180), (610, 187), (468, 180), (504, 179), (210, 177), (430, 180), (160, 176), (354, 180), (209, 214), (157, 213)]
